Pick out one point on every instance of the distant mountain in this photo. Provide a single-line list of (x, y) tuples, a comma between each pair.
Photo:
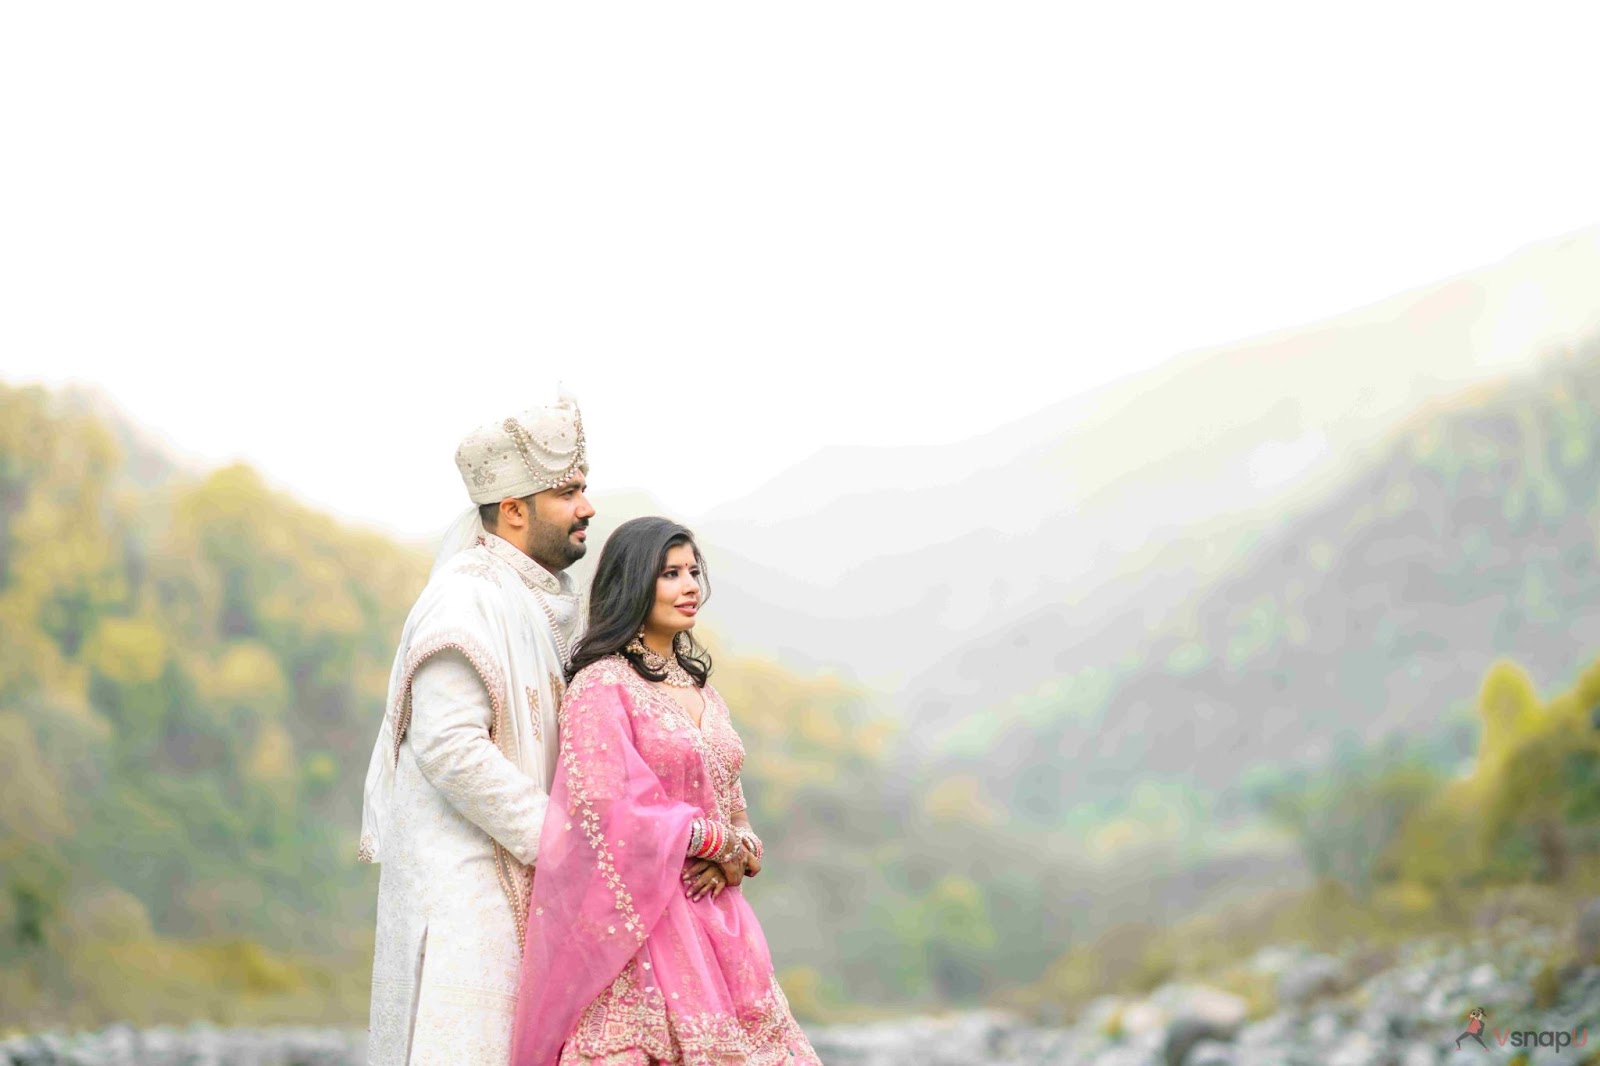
[(887, 560), (1472, 535)]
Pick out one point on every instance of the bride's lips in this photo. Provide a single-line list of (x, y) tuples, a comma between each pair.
[(688, 608)]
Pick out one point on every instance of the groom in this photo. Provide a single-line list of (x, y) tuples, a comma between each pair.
[(459, 778)]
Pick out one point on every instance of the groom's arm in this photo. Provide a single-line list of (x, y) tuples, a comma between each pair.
[(449, 732)]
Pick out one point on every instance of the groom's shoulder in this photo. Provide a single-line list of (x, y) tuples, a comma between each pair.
[(471, 572), (473, 569), (469, 580)]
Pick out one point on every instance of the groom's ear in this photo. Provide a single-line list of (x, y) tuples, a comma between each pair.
[(515, 513)]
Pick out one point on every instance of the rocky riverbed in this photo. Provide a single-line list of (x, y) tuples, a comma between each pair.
[(1393, 1008), (1385, 1008)]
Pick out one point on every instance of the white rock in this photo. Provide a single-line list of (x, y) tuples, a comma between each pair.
[(1325, 1029), (1222, 1009), (1268, 1032), (1143, 1018), (1354, 1049), (1320, 975), (1275, 960), (1482, 977), (1419, 1054), (1211, 1053)]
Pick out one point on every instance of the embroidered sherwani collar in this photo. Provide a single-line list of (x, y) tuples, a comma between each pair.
[(532, 574)]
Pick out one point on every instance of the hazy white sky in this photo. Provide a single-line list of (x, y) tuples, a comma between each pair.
[(329, 238)]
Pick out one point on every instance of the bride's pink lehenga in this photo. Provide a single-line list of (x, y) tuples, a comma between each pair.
[(621, 968)]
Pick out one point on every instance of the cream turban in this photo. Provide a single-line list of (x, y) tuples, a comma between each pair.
[(524, 454)]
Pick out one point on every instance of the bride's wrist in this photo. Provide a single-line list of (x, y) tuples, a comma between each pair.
[(717, 841)]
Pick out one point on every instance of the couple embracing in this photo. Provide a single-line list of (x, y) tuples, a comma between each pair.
[(555, 799)]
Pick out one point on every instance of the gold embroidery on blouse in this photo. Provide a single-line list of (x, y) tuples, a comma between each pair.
[(722, 756)]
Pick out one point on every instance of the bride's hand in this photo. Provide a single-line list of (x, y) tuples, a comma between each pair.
[(701, 876), (752, 865), (732, 872)]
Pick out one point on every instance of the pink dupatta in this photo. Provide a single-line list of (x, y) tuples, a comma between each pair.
[(617, 956)]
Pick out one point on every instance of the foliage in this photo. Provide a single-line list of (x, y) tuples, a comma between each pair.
[(1400, 847), (191, 677), (174, 663), (1347, 816)]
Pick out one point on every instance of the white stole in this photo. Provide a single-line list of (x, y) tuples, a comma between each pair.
[(515, 623)]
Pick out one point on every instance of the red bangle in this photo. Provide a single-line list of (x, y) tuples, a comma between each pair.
[(712, 844)]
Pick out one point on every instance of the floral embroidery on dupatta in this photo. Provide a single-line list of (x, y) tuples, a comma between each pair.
[(582, 808)]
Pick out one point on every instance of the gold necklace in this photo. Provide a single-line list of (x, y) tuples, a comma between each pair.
[(676, 674)]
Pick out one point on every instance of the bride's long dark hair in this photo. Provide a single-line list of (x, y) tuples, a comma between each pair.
[(624, 590)]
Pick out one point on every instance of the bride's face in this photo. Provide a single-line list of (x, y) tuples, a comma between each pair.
[(677, 593)]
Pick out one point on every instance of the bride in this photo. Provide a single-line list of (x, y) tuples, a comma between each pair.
[(641, 948)]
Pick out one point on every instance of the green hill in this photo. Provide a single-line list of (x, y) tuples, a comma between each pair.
[(189, 674), (192, 670), (1369, 613)]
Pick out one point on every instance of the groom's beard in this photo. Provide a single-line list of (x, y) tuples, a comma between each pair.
[(555, 544)]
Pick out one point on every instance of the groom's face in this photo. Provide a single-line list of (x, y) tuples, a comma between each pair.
[(557, 531)]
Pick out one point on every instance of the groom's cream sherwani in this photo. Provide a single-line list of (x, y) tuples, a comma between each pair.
[(455, 800)]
